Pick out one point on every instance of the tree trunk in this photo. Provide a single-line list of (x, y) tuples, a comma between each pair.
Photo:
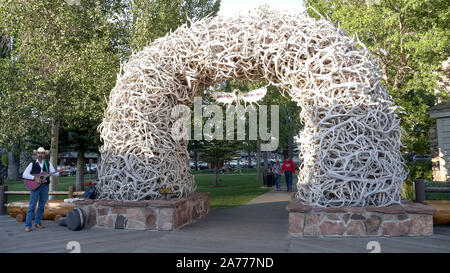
[(99, 163), (290, 146), (216, 171), (196, 160), (80, 170), (54, 155), (249, 158), (266, 161), (258, 159), (13, 166)]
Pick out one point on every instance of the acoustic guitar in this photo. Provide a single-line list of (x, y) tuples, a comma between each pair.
[(32, 185)]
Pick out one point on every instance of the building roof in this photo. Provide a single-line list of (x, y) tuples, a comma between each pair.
[(440, 106)]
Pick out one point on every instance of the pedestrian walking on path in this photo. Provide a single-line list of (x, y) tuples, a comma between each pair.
[(276, 170), (288, 168)]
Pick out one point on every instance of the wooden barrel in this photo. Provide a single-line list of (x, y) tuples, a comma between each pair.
[(53, 208), (442, 215)]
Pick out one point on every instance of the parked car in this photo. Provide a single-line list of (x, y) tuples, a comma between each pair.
[(63, 173), (233, 163), (243, 163), (91, 169), (72, 171), (202, 165)]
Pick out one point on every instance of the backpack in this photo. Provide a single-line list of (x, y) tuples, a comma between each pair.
[(62, 221), (90, 193)]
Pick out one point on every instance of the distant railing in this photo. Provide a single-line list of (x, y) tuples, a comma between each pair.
[(4, 195), (421, 189)]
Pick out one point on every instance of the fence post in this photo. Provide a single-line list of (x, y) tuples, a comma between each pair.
[(3, 199), (71, 190), (419, 186)]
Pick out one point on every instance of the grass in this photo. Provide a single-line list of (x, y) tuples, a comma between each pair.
[(410, 191), (234, 190)]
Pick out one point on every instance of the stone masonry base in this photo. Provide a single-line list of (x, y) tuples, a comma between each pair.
[(407, 219), (145, 215)]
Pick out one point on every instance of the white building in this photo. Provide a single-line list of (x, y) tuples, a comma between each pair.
[(441, 153)]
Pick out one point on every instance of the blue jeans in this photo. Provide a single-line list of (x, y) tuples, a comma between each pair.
[(277, 181), (288, 177), (40, 194)]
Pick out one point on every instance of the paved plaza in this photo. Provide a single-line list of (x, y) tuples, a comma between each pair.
[(258, 226)]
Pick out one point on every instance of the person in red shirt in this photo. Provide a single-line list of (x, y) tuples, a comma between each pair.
[(288, 168)]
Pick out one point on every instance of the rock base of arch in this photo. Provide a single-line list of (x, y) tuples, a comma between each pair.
[(407, 219), (145, 215)]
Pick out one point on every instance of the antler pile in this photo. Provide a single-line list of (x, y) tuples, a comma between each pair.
[(350, 145)]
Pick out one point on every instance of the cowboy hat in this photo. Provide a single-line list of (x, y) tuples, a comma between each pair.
[(41, 150)]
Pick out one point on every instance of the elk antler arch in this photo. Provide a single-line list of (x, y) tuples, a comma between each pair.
[(351, 141)]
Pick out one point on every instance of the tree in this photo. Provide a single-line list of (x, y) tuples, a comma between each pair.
[(217, 152), (80, 139), (195, 146), (289, 118), (154, 19), (119, 21), (213, 151), (410, 38), (15, 115), (4, 46), (66, 59), (248, 146)]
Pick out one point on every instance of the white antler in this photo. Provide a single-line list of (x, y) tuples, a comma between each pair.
[(254, 96), (351, 140)]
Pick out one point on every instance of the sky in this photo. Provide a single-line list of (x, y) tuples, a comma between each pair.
[(234, 7)]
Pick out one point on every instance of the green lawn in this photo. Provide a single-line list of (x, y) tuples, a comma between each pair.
[(234, 190)]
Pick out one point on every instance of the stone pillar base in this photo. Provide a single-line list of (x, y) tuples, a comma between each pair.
[(407, 219), (145, 215)]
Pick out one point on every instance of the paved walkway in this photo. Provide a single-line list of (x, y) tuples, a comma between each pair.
[(259, 226)]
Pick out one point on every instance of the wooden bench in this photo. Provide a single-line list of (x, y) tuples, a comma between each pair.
[(54, 209), (442, 215)]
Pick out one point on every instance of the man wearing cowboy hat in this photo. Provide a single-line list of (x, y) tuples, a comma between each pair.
[(41, 193)]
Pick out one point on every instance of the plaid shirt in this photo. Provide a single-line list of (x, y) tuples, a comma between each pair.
[(276, 169)]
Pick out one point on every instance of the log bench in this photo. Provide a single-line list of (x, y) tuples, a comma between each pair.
[(442, 215), (54, 209)]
